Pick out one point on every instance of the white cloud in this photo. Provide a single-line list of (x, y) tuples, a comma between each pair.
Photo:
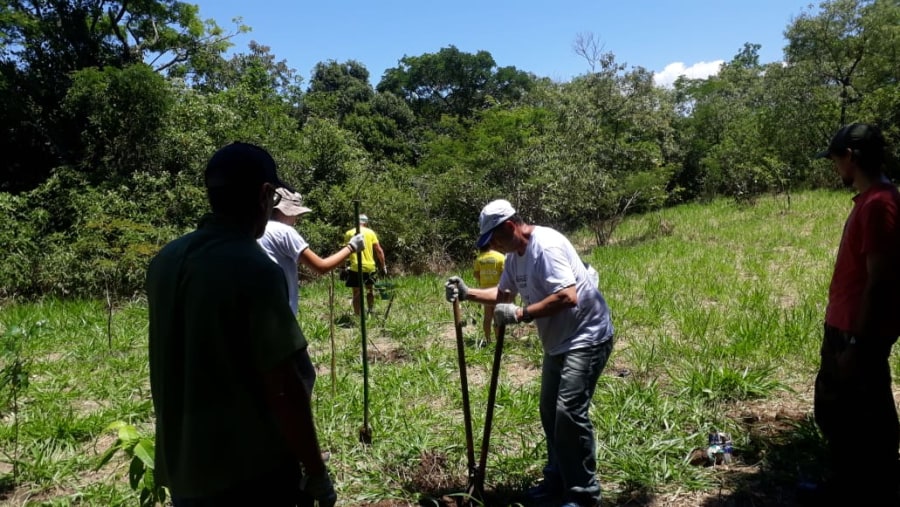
[(699, 70)]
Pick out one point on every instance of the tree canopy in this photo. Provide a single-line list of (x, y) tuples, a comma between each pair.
[(110, 109)]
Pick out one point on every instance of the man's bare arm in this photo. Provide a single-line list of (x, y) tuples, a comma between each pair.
[(320, 265), (554, 303), (879, 278), (379, 253)]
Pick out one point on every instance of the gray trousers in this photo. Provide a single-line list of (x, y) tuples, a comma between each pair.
[(567, 386)]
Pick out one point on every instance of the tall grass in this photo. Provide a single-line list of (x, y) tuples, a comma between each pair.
[(717, 316)]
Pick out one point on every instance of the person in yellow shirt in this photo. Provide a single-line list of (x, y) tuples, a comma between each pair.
[(371, 252), (488, 267)]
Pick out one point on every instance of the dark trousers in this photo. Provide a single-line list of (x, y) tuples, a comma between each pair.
[(567, 386), (306, 370), (279, 487), (854, 409)]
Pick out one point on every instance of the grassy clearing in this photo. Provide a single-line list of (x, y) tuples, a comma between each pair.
[(718, 326)]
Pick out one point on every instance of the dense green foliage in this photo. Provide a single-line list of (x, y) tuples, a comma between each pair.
[(108, 122)]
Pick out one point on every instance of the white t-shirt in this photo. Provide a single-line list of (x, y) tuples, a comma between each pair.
[(283, 244), (550, 264)]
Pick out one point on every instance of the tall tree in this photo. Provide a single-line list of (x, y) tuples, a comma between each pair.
[(453, 82), (268, 73), (833, 42), (123, 113), (850, 51), (614, 137), (335, 89), (382, 121), (43, 43)]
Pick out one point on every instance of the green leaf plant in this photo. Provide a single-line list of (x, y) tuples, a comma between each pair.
[(14, 380), (140, 450)]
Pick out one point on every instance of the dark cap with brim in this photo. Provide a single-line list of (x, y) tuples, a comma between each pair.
[(856, 136), (240, 164)]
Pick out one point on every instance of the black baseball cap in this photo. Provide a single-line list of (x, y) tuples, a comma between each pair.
[(856, 136), (241, 164)]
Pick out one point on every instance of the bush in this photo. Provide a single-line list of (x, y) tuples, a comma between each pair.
[(70, 239), (18, 240)]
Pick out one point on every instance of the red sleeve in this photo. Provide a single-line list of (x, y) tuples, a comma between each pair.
[(880, 230)]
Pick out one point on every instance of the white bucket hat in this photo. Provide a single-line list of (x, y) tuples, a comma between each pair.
[(291, 203)]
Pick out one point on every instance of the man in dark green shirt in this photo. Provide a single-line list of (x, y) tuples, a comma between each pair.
[(233, 419)]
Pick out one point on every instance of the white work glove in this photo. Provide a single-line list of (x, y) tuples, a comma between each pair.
[(455, 289), (384, 270), (505, 313), (357, 243), (320, 488)]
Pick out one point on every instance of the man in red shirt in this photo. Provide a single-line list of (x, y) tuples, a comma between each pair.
[(854, 405)]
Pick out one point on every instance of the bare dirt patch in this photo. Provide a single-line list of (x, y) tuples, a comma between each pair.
[(386, 351), (519, 372)]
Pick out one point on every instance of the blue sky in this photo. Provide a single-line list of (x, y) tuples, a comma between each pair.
[(668, 37)]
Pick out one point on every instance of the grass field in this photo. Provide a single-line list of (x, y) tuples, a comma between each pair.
[(718, 312)]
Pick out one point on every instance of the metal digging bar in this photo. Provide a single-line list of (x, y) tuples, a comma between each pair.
[(331, 332), (489, 417), (365, 432), (471, 487), (390, 303)]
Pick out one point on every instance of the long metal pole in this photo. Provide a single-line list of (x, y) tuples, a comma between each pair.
[(365, 432), (331, 332), (489, 417), (467, 412)]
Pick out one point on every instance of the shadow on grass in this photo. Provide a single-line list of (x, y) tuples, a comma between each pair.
[(435, 483), (455, 496), (632, 495), (513, 495), (781, 453), (346, 320), (7, 485), (504, 495)]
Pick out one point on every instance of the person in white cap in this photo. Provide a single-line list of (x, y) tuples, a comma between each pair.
[(287, 248), (576, 332)]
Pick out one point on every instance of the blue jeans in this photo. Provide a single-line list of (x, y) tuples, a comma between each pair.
[(567, 385)]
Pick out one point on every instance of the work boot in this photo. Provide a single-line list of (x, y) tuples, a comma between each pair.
[(547, 489), (581, 499)]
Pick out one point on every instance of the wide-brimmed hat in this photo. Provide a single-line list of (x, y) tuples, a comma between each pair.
[(291, 203)]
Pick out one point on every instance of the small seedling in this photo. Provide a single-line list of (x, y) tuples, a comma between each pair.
[(140, 451)]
